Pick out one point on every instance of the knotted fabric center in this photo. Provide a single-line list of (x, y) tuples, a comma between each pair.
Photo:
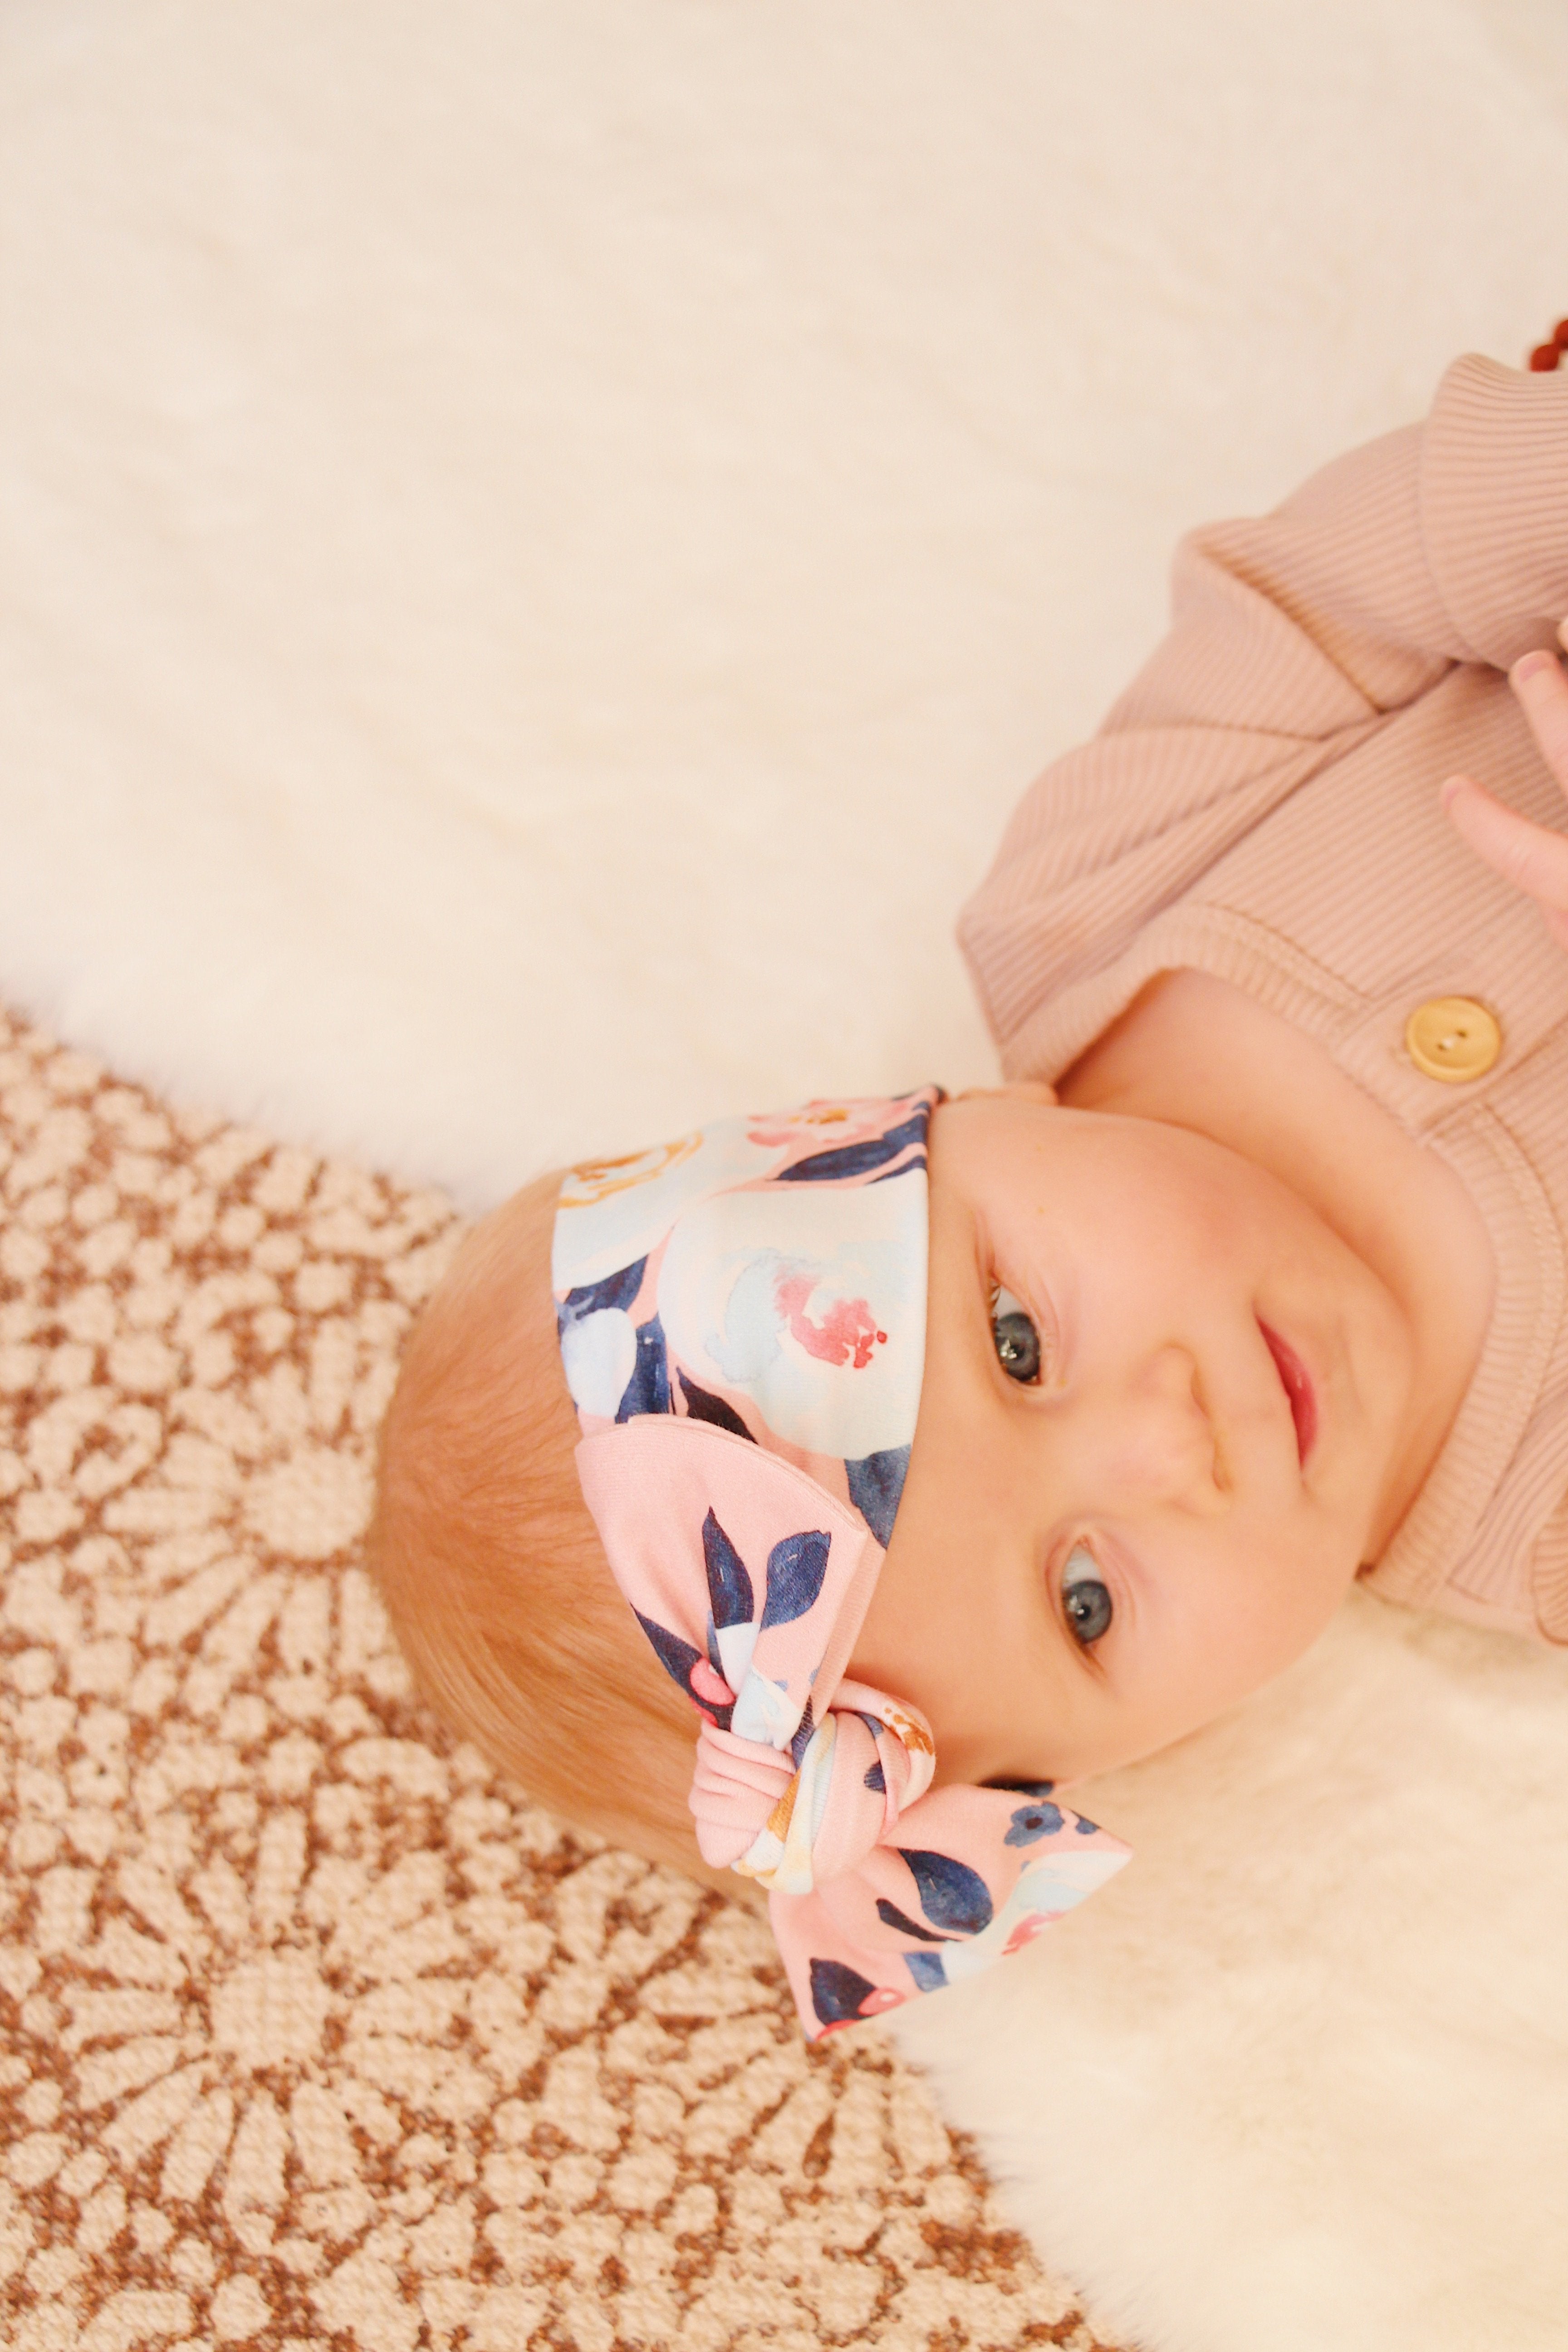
[(798, 1827)]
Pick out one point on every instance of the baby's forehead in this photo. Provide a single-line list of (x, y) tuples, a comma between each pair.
[(1022, 1142)]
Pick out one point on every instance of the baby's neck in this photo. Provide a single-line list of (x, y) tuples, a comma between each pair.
[(1198, 1052)]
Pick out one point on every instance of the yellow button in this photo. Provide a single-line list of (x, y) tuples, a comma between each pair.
[(1453, 1038)]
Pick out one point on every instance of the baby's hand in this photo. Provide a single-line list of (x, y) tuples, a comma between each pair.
[(1533, 857)]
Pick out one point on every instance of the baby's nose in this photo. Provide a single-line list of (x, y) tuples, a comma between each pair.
[(1160, 1441)]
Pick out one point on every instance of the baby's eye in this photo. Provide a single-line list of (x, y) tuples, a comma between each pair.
[(1016, 1341), (1085, 1597)]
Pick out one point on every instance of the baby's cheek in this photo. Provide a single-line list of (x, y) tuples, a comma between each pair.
[(1281, 1612)]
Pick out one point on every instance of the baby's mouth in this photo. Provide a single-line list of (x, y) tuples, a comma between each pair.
[(1298, 1390)]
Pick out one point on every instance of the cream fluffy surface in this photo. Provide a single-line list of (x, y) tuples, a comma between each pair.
[(541, 545), (1300, 2076)]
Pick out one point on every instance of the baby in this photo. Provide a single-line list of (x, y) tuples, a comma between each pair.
[(950, 1452)]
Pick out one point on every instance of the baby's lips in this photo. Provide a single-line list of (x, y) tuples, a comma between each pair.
[(1299, 1393)]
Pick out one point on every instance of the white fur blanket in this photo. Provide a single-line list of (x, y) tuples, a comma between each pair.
[(542, 544)]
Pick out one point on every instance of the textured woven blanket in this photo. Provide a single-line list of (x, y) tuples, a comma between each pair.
[(311, 2032)]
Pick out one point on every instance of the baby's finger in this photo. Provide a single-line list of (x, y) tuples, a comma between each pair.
[(1538, 681), (1530, 856)]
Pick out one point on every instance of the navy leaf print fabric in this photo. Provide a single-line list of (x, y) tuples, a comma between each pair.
[(891, 1917), (952, 1894), (837, 1991), (728, 1586), (617, 1290), (701, 1406), (676, 1656), (802, 1739), (927, 1970), (796, 1566), (647, 1390), (856, 1158), (875, 1484)]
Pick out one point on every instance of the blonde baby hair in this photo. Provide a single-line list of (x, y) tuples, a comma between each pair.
[(491, 1567)]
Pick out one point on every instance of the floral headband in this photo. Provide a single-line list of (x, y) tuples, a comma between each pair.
[(742, 1317)]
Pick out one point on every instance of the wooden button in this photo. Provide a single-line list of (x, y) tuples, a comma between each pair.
[(1453, 1038)]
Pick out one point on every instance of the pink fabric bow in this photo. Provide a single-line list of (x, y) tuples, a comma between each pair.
[(750, 1582)]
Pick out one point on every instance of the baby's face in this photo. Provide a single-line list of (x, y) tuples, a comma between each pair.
[(1161, 1405)]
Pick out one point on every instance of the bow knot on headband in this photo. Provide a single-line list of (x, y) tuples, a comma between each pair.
[(741, 1317)]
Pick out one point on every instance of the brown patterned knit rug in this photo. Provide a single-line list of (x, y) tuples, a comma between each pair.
[(312, 2031)]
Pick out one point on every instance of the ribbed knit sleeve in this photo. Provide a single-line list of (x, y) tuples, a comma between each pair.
[(1445, 542), (1293, 638), (1494, 505), (1317, 616)]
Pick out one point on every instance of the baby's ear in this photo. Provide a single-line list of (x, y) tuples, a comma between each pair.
[(1033, 1091)]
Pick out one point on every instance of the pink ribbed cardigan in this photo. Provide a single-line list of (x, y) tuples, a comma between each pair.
[(1262, 804)]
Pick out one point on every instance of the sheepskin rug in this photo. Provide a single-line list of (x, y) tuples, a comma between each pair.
[(543, 539)]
